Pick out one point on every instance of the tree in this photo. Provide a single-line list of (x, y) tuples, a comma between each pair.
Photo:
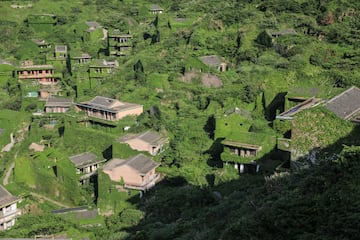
[(139, 72)]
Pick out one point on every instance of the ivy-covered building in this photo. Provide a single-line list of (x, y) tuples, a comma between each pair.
[(119, 44)]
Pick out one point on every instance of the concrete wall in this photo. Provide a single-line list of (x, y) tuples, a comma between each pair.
[(135, 111)]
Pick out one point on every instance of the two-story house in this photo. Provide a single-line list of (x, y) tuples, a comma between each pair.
[(108, 108), (86, 164), (149, 141), (137, 172), (8, 209), (119, 43)]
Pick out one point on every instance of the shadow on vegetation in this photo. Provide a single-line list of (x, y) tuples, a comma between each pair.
[(215, 151), (177, 209), (278, 103), (209, 127)]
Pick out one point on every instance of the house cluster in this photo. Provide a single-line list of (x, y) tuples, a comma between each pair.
[(137, 172)]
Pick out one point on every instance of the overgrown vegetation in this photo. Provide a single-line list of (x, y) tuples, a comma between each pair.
[(274, 50)]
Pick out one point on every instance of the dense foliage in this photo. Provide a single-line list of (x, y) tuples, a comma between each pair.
[(273, 50)]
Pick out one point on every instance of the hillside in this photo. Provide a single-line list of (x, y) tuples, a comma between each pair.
[(205, 73)]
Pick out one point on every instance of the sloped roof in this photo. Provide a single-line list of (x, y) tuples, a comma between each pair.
[(58, 102), (139, 163), (81, 56), (104, 63), (39, 41), (241, 145), (345, 104), (211, 60), (150, 137), (6, 197), (92, 24), (108, 104), (155, 7), (83, 159), (40, 67), (60, 48)]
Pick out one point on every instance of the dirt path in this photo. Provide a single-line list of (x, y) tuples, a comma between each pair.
[(50, 200), (9, 171)]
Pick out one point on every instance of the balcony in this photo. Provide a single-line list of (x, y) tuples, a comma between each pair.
[(8, 216), (145, 185)]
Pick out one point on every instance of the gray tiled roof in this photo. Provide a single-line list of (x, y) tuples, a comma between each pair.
[(108, 104), (140, 163), (212, 60), (345, 104), (58, 102), (6, 197), (155, 7), (60, 48), (83, 159), (149, 136), (93, 24)]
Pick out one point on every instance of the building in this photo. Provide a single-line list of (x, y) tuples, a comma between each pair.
[(8, 209), (137, 172), (86, 164), (119, 44), (108, 108), (102, 68), (345, 105), (57, 105), (237, 153), (94, 31), (156, 9), (41, 43), (149, 141), (213, 61), (42, 22), (80, 58), (36, 74)]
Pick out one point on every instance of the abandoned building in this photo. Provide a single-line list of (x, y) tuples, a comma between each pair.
[(345, 105), (86, 164), (8, 209), (149, 141), (137, 172), (57, 105), (213, 61), (108, 108)]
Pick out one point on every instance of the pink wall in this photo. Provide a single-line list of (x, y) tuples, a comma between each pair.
[(135, 111), (127, 173), (139, 145)]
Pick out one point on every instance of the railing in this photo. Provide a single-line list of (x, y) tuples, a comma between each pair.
[(144, 185), (9, 215)]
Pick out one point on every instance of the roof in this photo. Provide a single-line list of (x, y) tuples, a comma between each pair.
[(84, 159), (108, 104), (345, 104), (241, 145), (151, 137), (58, 102), (60, 48), (117, 33), (104, 63), (6, 197), (212, 60), (40, 41), (36, 67), (81, 56), (140, 163), (156, 7), (92, 24)]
